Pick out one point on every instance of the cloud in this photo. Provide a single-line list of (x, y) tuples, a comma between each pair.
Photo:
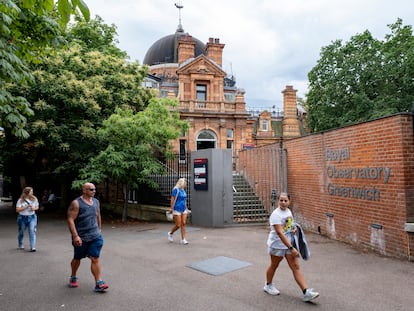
[(268, 44)]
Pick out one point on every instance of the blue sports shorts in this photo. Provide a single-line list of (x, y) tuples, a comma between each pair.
[(88, 249)]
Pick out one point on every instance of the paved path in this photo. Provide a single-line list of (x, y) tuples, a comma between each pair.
[(146, 272)]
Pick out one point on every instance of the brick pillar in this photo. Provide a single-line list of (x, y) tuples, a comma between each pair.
[(290, 120), (240, 101), (214, 50), (186, 48)]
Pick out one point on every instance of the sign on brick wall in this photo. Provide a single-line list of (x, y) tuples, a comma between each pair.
[(339, 174)]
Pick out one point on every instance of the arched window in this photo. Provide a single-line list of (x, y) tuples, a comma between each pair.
[(206, 139)]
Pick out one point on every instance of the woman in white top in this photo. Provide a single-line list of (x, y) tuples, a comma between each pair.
[(279, 242), (26, 206)]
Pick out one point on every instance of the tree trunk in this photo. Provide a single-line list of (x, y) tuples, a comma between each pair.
[(125, 189)]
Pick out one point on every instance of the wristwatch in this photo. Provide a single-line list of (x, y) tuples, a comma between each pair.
[(290, 248)]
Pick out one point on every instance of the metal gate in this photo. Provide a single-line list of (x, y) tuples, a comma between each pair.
[(178, 166), (265, 169)]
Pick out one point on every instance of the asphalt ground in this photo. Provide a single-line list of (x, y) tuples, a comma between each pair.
[(146, 272)]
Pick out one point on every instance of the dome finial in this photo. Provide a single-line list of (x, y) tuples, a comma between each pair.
[(179, 6)]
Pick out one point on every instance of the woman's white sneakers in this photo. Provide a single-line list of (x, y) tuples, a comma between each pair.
[(270, 289), (170, 238), (310, 294)]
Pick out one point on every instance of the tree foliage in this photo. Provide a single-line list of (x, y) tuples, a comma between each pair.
[(95, 35), (363, 79), (27, 28), (132, 139), (73, 91)]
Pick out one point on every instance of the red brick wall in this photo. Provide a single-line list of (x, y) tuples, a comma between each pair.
[(376, 220)]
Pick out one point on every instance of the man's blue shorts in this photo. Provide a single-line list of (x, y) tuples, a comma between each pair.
[(88, 249)]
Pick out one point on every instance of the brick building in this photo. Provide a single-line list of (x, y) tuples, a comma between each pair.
[(182, 67)]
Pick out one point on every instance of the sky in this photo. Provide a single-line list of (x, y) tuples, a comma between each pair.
[(268, 43)]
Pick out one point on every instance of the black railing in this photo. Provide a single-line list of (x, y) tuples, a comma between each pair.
[(178, 166)]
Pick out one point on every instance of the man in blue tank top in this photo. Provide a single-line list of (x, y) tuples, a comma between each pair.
[(84, 221)]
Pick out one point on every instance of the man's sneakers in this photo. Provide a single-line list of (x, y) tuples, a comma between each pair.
[(73, 282), (101, 286), (270, 289), (310, 294), (184, 242)]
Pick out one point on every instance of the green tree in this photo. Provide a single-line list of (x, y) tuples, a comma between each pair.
[(73, 91), (132, 140), (27, 28), (362, 79), (95, 35)]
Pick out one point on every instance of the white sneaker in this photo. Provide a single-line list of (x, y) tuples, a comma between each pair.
[(184, 241), (310, 294), (170, 237), (271, 290)]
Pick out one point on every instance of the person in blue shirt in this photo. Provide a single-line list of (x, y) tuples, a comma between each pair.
[(178, 207)]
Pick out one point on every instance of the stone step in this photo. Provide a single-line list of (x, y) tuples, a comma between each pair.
[(256, 206), (249, 219), (247, 208), (246, 199)]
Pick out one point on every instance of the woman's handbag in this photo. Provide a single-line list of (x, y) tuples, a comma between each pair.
[(169, 215)]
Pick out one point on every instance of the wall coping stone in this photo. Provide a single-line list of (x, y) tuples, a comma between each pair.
[(409, 227)]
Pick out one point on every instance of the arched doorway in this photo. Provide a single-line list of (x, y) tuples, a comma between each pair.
[(206, 139)]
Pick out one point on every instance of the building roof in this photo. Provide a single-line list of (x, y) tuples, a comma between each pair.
[(165, 50)]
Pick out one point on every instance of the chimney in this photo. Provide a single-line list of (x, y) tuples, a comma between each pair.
[(214, 50), (186, 48), (290, 119)]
